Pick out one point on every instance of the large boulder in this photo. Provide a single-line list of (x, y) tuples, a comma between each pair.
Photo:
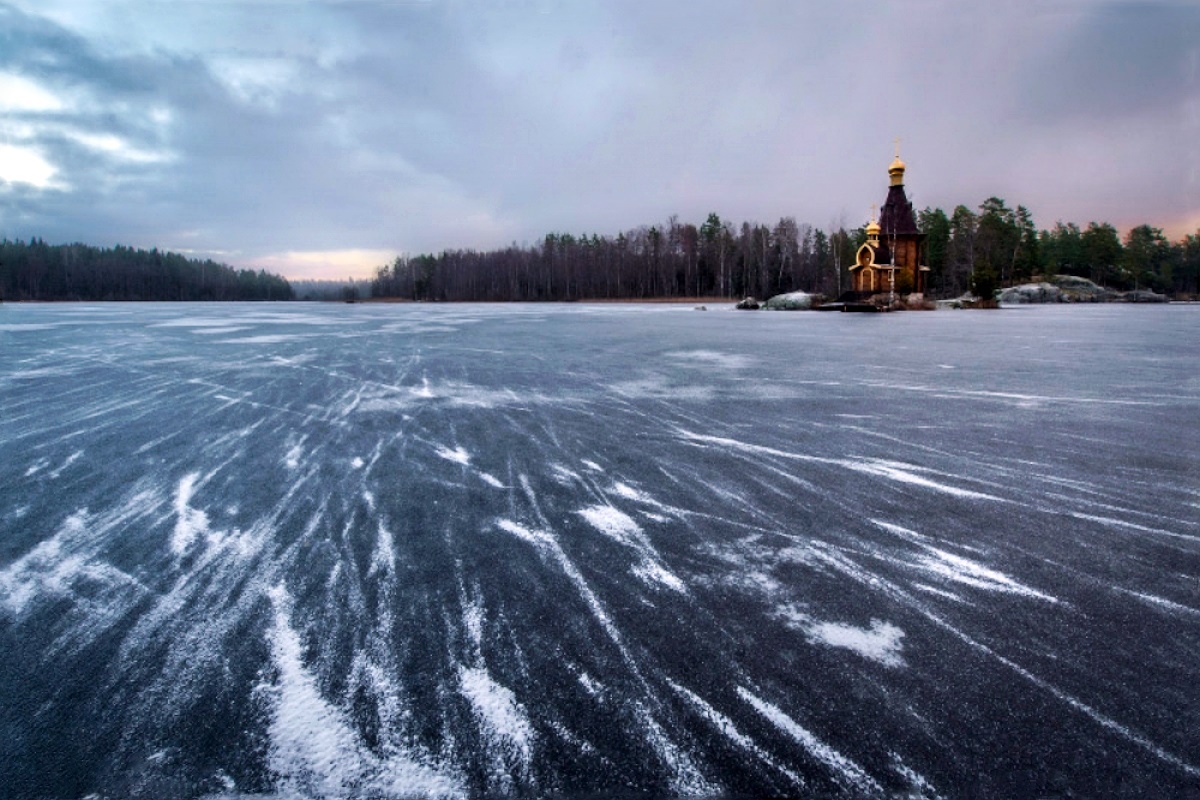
[(1031, 293), (916, 302), (1080, 290), (748, 304), (793, 301), (962, 301), (1143, 296)]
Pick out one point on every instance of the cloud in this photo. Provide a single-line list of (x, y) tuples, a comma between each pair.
[(25, 165), (239, 129)]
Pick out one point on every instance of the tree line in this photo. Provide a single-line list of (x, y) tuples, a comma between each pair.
[(994, 246), (673, 260), (34, 270), (1000, 246)]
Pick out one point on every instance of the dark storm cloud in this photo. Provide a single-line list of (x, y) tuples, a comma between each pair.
[(214, 159), (262, 129), (1131, 60)]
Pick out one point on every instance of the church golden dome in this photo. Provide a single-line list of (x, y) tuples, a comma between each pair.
[(896, 171), (873, 228)]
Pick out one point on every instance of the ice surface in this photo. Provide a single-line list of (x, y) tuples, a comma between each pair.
[(728, 729), (314, 749), (846, 772), (424, 550), (621, 527)]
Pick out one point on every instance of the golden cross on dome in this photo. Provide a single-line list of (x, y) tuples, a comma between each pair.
[(873, 207), (896, 141)]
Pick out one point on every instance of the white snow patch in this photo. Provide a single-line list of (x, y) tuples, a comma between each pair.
[(653, 572), (539, 538), (357, 463), (725, 725), (686, 780), (217, 331), (1120, 523), (29, 326), (924, 587), (190, 522), (658, 388), (193, 322), (1162, 602), (71, 459), (921, 787), (845, 771), (45, 568), (269, 338), (314, 750), (491, 480), (637, 495), (613, 523), (592, 465), (561, 475), (620, 527), (457, 455), (971, 573), (548, 545), (903, 474), (292, 459), (473, 623), (452, 395), (37, 467), (881, 642), (70, 559), (709, 358), (503, 719), (903, 533), (590, 685), (383, 560), (891, 470)]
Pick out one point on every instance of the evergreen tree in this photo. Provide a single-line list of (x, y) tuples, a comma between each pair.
[(1101, 248), (934, 223), (960, 250), (1147, 258)]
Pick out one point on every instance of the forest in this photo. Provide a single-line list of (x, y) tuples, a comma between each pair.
[(34, 270), (993, 246)]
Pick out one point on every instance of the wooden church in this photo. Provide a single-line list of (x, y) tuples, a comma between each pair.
[(890, 260)]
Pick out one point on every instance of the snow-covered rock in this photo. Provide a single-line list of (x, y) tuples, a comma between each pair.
[(1031, 293), (1143, 296), (793, 301), (962, 301), (748, 304), (1080, 290)]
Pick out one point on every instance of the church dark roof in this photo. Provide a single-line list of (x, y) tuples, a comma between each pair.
[(896, 216)]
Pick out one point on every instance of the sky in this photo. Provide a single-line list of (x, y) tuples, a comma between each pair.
[(322, 139)]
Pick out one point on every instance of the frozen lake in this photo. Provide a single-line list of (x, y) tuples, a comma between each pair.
[(380, 551)]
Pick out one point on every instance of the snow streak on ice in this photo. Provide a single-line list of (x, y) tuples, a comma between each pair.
[(430, 550), (314, 750), (845, 771)]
